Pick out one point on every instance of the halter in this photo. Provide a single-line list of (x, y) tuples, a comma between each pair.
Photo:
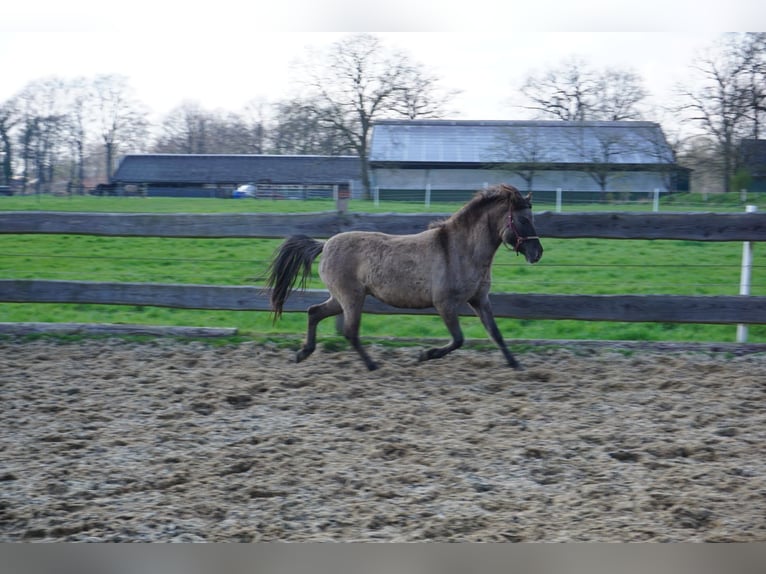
[(520, 239)]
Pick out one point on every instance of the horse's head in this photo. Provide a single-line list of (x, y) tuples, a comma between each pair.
[(519, 231)]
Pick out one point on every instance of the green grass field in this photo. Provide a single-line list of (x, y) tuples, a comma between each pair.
[(583, 266)]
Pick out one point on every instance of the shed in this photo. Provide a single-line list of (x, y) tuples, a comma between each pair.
[(217, 175), (753, 161), (451, 158)]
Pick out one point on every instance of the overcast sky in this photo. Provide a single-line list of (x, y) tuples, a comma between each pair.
[(223, 54)]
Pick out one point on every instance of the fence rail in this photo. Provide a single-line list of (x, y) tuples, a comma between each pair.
[(640, 308), (606, 225), (630, 308)]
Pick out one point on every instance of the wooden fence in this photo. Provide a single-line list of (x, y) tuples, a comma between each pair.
[(650, 308)]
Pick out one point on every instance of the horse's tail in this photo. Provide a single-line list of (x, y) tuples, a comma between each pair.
[(293, 258)]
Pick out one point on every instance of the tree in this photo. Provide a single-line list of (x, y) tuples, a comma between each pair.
[(358, 81), (184, 130), (299, 129), (9, 117), (189, 128), (78, 108), (120, 118), (729, 102), (41, 130), (752, 48), (573, 91)]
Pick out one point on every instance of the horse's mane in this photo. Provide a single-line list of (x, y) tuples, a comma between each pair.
[(472, 210)]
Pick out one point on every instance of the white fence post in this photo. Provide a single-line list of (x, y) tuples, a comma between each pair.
[(744, 280), (656, 202), (428, 195), (558, 200), (376, 195)]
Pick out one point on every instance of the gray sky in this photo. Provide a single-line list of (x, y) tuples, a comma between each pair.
[(223, 54)]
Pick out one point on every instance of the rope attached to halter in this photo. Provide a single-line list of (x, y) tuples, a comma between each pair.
[(520, 239)]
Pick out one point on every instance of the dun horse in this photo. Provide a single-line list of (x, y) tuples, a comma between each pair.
[(443, 267)]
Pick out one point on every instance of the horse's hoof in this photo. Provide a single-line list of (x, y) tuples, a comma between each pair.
[(301, 356), (371, 366), (516, 366)]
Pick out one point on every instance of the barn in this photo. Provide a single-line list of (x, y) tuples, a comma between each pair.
[(449, 158), (753, 162), (218, 175)]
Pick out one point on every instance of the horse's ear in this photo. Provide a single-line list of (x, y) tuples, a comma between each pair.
[(529, 198)]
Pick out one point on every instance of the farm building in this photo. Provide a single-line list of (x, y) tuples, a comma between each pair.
[(753, 161), (289, 176), (452, 158)]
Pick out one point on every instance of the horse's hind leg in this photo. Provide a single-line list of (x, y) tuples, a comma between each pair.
[(316, 313), (483, 309), (451, 320)]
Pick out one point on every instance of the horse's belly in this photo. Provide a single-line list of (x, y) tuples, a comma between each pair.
[(406, 284), (409, 298)]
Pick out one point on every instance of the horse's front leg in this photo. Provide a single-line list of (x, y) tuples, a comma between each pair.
[(450, 317), (483, 309)]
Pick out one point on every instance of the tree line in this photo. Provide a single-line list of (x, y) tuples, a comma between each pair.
[(74, 130)]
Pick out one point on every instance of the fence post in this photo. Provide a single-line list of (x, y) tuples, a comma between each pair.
[(744, 280), (656, 201), (558, 200), (342, 195), (376, 195), (428, 195)]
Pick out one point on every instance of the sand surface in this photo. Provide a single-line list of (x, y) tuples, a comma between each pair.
[(107, 440)]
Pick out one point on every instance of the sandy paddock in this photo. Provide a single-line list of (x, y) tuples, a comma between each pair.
[(107, 440)]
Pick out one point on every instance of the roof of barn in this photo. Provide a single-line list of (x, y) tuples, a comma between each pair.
[(219, 169), (547, 142)]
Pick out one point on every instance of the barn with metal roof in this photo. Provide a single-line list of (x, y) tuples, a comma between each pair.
[(182, 175), (451, 158)]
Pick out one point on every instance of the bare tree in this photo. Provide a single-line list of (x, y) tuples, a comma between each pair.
[(121, 119), (236, 133), (78, 107), (184, 130), (41, 130), (250, 127), (729, 102), (752, 49), (9, 117), (573, 91), (357, 81), (299, 129), (189, 128)]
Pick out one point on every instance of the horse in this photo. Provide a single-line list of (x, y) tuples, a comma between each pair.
[(443, 267)]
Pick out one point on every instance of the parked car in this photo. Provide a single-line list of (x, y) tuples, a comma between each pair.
[(245, 190)]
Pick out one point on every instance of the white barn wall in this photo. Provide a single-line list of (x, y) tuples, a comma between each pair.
[(473, 179)]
